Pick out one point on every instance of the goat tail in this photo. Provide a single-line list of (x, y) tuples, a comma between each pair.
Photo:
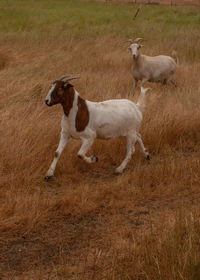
[(141, 101), (175, 57)]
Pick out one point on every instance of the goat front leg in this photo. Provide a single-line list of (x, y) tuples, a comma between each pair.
[(144, 80), (61, 146), (86, 144), (130, 150)]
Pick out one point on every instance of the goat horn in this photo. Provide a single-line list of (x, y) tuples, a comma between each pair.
[(70, 78), (62, 77), (137, 40)]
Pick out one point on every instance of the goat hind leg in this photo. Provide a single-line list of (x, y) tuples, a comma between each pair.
[(130, 150), (142, 148), (173, 82)]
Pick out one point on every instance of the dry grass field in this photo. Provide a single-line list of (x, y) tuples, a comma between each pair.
[(88, 223)]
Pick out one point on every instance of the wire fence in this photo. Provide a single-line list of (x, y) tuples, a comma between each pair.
[(160, 2)]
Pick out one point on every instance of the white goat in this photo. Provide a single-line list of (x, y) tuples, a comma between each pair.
[(88, 120), (159, 68)]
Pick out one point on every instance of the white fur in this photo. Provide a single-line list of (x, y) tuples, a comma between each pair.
[(48, 98), (153, 69), (107, 119)]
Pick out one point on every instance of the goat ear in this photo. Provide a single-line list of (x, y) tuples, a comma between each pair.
[(141, 46)]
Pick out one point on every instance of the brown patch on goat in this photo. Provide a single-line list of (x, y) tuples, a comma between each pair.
[(69, 99), (82, 116)]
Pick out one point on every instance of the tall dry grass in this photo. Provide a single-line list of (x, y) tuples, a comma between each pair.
[(88, 223)]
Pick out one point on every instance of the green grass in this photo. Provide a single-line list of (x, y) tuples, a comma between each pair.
[(92, 18), (61, 20)]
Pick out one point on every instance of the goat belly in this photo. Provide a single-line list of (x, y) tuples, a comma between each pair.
[(107, 133), (114, 118), (117, 126)]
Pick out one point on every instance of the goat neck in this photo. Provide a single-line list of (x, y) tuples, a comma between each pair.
[(67, 102), (137, 60)]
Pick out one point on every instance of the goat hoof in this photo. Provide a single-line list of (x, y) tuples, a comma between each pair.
[(118, 172), (94, 159), (147, 157), (47, 178)]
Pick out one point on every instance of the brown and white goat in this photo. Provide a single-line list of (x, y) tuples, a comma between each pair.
[(86, 120), (160, 68)]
